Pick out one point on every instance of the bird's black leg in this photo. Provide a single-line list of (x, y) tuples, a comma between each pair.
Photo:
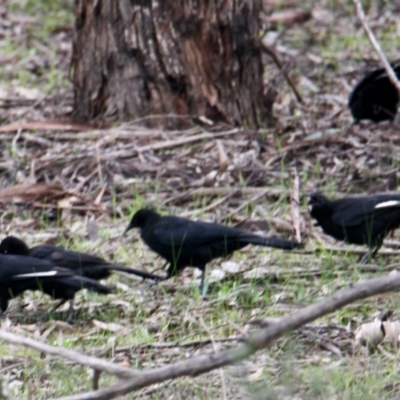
[(366, 257), (159, 269), (171, 271), (42, 316), (58, 305), (70, 317), (375, 250), (202, 289), (372, 252)]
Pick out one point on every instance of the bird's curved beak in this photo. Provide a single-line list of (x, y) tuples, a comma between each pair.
[(127, 229), (311, 201)]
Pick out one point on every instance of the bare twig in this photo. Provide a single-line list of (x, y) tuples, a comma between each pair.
[(170, 345), (295, 207), (185, 140), (279, 64), (259, 340), (210, 207), (376, 45), (245, 204), (221, 371), (351, 250), (93, 362), (221, 191)]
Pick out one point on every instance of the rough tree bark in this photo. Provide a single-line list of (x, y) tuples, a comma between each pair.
[(135, 58)]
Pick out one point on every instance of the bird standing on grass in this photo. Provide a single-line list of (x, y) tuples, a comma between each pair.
[(21, 273), (375, 97), (185, 243), (357, 220)]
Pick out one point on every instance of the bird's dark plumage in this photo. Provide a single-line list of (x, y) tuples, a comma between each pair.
[(21, 273), (185, 243), (375, 97), (357, 220), (83, 264)]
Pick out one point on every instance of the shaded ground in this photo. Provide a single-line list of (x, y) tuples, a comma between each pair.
[(97, 178)]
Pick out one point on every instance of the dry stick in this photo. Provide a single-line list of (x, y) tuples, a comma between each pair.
[(221, 191), (171, 345), (221, 371), (92, 362), (295, 206), (210, 207), (257, 341), (180, 142), (215, 191), (279, 64), (245, 204), (350, 250), (376, 45)]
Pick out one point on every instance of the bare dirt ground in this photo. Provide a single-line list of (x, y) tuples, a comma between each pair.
[(77, 187)]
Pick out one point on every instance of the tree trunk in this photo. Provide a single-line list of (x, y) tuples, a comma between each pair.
[(138, 58)]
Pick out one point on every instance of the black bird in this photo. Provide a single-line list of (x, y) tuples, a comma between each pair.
[(375, 97), (185, 243), (21, 273), (357, 220), (83, 264)]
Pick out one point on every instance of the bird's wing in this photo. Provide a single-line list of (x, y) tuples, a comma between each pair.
[(177, 231), (63, 257), (353, 213), (25, 267)]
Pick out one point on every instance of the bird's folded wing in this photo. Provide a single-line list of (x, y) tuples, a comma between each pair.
[(65, 258), (192, 233), (357, 213)]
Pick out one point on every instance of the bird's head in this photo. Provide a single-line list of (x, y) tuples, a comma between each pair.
[(316, 202), (13, 245), (141, 218)]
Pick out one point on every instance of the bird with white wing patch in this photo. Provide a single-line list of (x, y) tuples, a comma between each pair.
[(364, 220)]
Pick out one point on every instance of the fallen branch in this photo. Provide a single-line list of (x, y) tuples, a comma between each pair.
[(375, 44), (169, 345), (92, 362), (257, 341)]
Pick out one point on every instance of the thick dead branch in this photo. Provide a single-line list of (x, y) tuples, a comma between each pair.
[(259, 340), (375, 44)]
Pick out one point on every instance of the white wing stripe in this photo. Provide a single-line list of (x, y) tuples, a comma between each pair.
[(389, 203), (37, 274)]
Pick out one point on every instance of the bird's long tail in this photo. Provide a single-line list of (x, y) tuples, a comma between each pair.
[(275, 242), (131, 271), (87, 283)]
